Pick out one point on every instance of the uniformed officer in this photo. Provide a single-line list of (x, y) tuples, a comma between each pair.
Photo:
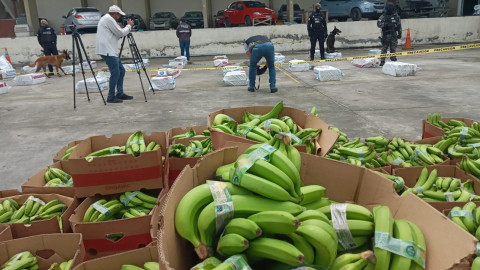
[(391, 27), (47, 37), (317, 30)]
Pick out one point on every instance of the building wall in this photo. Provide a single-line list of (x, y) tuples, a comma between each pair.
[(286, 38), (177, 7)]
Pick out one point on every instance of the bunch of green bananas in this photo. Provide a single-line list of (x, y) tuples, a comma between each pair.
[(399, 229), (432, 188), (32, 210), (146, 266), (136, 144), (460, 141), (467, 217), (353, 261), (435, 120), (194, 149), (129, 205), (341, 141), (471, 166), (57, 178), (409, 154), (191, 133), (63, 266), (399, 182), (68, 152), (23, 260), (359, 154)]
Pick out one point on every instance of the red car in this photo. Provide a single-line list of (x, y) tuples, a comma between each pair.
[(246, 12), (219, 20)]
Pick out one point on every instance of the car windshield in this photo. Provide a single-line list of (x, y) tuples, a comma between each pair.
[(162, 15), (254, 4), (194, 15), (296, 7), (79, 10)]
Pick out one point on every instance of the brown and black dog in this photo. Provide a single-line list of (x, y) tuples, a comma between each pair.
[(54, 60)]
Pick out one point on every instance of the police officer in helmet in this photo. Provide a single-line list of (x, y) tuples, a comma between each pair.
[(391, 27), (47, 37), (317, 30)]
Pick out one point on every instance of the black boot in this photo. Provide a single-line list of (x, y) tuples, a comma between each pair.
[(382, 63), (250, 89)]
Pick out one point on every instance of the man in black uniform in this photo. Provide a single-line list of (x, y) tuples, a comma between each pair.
[(317, 30), (391, 27), (47, 37)]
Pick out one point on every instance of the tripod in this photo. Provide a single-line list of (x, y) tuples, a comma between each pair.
[(137, 60), (77, 41)]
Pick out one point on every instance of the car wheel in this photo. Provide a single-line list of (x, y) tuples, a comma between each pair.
[(227, 23), (356, 14), (248, 21)]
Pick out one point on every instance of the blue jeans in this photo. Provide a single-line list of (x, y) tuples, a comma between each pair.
[(117, 72), (185, 46), (263, 50)]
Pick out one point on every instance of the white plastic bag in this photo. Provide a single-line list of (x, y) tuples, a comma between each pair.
[(333, 55), (231, 68), (8, 73), (182, 59), (327, 73), (86, 66), (4, 88), (91, 85), (30, 79), (299, 65), (220, 62), (104, 75), (279, 58), (376, 51), (236, 78), (400, 69), (68, 69), (169, 72), (216, 57), (28, 69), (366, 63), (146, 62), (4, 64), (163, 83), (177, 64)]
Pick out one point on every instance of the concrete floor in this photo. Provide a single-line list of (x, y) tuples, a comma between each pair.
[(36, 121)]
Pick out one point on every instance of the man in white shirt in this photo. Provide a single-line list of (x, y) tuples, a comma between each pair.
[(108, 34)]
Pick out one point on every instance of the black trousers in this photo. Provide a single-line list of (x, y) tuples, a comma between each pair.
[(317, 35), (50, 49)]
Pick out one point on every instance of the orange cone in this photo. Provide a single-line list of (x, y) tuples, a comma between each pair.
[(408, 42), (7, 56)]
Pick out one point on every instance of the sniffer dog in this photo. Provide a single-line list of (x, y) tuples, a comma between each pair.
[(54, 60), (331, 40)]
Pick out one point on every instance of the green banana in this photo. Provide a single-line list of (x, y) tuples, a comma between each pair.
[(243, 227), (276, 222)]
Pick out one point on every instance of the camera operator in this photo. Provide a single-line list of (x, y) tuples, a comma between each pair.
[(108, 34)]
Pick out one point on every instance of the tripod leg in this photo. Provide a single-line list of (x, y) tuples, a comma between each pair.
[(132, 45), (121, 48), (80, 59), (73, 72), (91, 69), (143, 66)]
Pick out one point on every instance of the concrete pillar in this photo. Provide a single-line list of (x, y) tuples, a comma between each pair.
[(84, 3), (118, 3), (270, 4), (290, 14), (207, 13), (32, 14), (148, 13)]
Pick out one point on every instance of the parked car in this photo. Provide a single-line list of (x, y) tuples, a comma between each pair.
[(194, 19), (219, 20), (246, 12), (163, 20), (297, 13), (138, 21), (355, 9), (85, 18)]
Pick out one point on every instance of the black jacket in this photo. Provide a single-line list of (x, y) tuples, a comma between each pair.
[(46, 35), (390, 24), (323, 23), (184, 32)]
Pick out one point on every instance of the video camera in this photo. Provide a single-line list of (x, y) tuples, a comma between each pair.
[(136, 22)]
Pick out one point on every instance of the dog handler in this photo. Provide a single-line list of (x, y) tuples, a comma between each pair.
[(108, 34), (317, 30), (256, 48), (47, 37), (391, 27)]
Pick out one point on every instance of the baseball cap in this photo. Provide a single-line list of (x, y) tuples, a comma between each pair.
[(116, 9)]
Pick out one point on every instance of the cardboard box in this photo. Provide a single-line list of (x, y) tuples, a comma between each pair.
[(59, 155), (410, 176), (137, 232), (431, 140), (49, 226), (325, 141), (178, 130), (36, 183), (114, 262), (430, 130), (385, 169), (343, 182), (49, 249), (115, 174), (176, 165), (5, 232)]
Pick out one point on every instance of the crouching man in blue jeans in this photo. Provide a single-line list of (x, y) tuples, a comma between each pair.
[(256, 48), (108, 34)]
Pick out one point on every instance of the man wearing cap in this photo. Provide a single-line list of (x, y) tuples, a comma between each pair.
[(47, 37), (108, 34), (317, 30), (184, 32), (256, 48)]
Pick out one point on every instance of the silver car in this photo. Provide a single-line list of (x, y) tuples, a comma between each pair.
[(164, 20), (355, 9), (85, 18)]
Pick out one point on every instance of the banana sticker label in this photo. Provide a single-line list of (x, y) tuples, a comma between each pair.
[(242, 166), (339, 222), (223, 204), (404, 248), (238, 262)]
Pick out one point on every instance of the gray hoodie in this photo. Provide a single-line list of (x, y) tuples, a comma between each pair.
[(184, 32)]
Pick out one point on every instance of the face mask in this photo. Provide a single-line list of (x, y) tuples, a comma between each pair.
[(318, 10)]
